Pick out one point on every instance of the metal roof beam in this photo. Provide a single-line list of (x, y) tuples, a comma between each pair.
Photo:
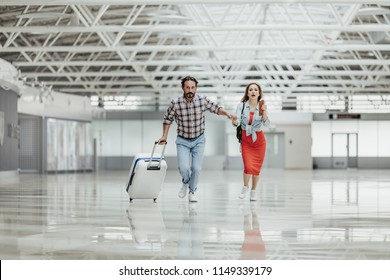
[(202, 62), (179, 2), (153, 48), (190, 28), (213, 73)]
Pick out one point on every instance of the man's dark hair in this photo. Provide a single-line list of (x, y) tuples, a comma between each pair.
[(188, 78)]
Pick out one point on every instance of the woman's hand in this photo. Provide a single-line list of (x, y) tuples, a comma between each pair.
[(234, 120), (265, 116)]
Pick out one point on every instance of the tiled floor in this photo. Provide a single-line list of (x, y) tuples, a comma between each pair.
[(299, 214)]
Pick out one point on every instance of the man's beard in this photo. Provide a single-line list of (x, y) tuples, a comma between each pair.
[(189, 96)]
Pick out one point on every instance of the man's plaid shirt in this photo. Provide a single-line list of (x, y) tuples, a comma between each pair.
[(190, 116)]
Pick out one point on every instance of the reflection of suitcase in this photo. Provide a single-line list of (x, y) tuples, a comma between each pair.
[(147, 226), (147, 174)]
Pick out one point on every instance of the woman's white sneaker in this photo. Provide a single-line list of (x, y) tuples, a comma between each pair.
[(253, 196), (244, 190)]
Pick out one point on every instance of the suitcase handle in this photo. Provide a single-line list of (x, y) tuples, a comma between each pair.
[(157, 167)]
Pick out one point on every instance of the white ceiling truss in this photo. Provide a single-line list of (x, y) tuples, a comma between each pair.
[(304, 53)]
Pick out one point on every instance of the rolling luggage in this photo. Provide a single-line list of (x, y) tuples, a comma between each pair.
[(147, 174)]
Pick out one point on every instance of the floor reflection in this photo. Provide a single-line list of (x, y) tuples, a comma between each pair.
[(299, 215), (253, 247), (146, 225), (190, 244)]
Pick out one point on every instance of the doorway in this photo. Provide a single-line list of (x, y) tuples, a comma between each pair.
[(274, 156), (344, 150), (30, 157)]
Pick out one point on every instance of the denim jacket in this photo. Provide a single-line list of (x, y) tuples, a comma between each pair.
[(257, 123)]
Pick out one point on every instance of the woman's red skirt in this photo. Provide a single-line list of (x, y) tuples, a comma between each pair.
[(253, 152)]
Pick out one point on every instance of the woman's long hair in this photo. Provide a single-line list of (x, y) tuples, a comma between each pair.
[(245, 97)]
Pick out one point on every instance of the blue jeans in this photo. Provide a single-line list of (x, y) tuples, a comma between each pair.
[(189, 158)]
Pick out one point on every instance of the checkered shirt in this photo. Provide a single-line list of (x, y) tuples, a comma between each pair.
[(190, 116)]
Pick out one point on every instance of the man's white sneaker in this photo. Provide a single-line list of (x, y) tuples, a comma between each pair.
[(253, 196), (192, 197), (183, 191), (244, 190)]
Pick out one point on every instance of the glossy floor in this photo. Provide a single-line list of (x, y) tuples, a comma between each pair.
[(320, 214)]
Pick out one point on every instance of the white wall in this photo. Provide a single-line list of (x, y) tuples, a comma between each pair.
[(58, 105), (8, 77), (129, 137), (297, 134), (126, 138), (373, 136), (297, 146)]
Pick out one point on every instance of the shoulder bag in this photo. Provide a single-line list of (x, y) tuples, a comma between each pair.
[(238, 128)]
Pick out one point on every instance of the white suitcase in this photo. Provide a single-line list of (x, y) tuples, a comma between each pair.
[(147, 174)]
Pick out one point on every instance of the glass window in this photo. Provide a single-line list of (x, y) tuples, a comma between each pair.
[(340, 144)]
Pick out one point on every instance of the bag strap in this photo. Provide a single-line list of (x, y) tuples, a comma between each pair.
[(242, 111)]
